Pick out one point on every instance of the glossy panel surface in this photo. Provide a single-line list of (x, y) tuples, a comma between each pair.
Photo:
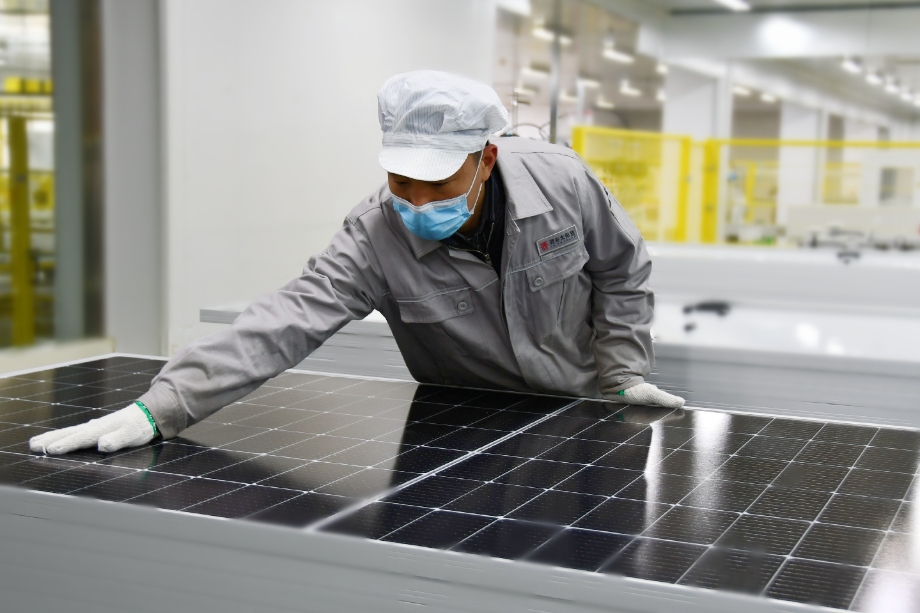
[(295, 451), (798, 510)]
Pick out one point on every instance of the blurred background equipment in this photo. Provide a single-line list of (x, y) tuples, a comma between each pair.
[(771, 125)]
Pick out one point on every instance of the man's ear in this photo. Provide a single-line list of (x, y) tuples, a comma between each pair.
[(489, 156)]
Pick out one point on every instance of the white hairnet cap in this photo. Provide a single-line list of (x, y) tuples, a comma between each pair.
[(432, 120)]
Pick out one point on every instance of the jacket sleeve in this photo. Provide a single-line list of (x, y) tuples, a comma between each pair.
[(622, 301), (275, 333)]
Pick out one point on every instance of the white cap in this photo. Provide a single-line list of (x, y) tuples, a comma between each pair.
[(432, 121)]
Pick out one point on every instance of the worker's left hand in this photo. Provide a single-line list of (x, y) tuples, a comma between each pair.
[(646, 394)]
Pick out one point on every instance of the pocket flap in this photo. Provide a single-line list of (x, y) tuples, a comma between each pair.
[(555, 269), (436, 308)]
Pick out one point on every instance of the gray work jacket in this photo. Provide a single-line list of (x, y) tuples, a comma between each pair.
[(570, 315)]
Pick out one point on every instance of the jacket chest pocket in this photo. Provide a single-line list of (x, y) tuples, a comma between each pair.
[(446, 322), (556, 290)]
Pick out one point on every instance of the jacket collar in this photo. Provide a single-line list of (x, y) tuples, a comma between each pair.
[(524, 199)]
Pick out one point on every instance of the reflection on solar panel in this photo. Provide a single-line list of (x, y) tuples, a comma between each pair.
[(790, 509)]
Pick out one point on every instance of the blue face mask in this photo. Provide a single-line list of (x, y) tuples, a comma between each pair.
[(437, 220)]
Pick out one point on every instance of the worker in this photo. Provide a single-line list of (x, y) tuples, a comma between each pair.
[(498, 262)]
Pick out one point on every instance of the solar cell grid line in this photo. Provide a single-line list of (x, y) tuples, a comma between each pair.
[(575, 408), (278, 437), (888, 530), (744, 513), (786, 563), (621, 551), (320, 525)]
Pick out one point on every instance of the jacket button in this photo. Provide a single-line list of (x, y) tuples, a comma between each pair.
[(462, 306), (538, 282)]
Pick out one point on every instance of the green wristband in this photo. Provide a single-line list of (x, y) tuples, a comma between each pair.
[(149, 416)]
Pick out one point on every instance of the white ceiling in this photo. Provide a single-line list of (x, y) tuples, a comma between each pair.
[(588, 24), (679, 5)]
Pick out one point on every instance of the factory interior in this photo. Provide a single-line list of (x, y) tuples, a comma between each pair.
[(166, 164)]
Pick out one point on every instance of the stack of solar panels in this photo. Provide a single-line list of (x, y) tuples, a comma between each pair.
[(786, 509)]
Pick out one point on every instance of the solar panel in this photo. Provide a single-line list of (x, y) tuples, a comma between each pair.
[(297, 450), (790, 509)]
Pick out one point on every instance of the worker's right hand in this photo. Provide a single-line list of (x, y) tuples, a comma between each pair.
[(128, 427)]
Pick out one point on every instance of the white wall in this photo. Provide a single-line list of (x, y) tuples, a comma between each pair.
[(271, 128), (134, 288), (696, 104), (799, 167)]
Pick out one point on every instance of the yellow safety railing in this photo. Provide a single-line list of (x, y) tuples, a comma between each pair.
[(755, 191), (26, 238), (639, 169)]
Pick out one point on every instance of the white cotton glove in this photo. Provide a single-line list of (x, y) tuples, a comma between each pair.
[(128, 427), (646, 394)]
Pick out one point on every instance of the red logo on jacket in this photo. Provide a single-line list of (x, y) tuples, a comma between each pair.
[(544, 246)]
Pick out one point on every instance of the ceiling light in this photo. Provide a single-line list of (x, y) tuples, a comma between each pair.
[(874, 78), (534, 71), (742, 91), (521, 90), (610, 52), (661, 68), (588, 82), (735, 5), (518, 7), (891, 86), (603, 103), (628, 90), (851, 65), (907, 95), (659, 96), (543, 33), (618, 56), (565, 96), (768, 98)]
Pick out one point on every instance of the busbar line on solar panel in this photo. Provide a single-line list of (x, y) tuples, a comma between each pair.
[(276, 431), (790, 509), (321, 523), (782, 578)]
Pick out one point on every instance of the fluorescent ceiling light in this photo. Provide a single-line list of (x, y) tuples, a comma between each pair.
[(521, 90), (588, 82), (735, 5), (518, 7), (907, 95), (618, 56), (628, 90), (891, 86), (603, 103), (661, 68), (851, 65), (532, 71), (874, 78), (742, 91), (543, 33), (565, 96), (768, 98), (659, 96), (610, 52)]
